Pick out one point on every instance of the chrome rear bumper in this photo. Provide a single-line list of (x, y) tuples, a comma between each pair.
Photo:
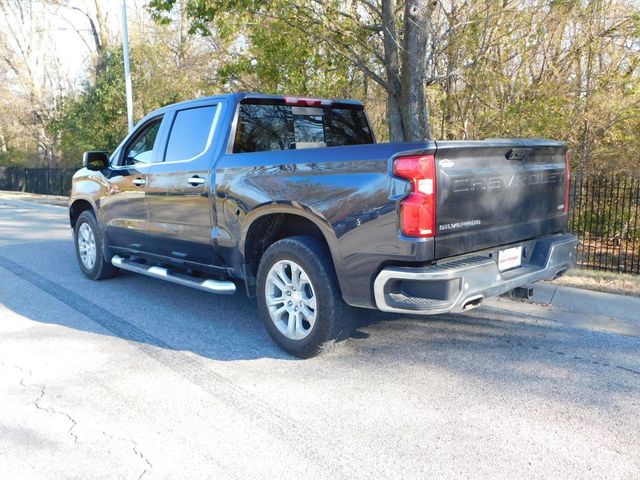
[(456, 284)]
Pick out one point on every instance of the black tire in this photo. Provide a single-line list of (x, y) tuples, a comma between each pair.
[(102, 268), (333, 316)]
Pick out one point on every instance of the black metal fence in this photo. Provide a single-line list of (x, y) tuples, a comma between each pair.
[(605, 213), (47, 181), (605, 216)]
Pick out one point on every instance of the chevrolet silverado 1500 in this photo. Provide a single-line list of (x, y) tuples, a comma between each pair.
[(291, 200)]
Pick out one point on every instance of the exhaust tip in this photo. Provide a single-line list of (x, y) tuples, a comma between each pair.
[(472, 303)]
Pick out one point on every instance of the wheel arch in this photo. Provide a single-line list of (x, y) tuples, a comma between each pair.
[(78, 206), (269, 225)]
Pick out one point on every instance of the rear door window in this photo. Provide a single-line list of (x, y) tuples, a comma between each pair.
[(264, 127), (190, 133)]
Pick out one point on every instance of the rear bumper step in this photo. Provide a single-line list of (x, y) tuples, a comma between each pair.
[(225, 287), (462, 283)]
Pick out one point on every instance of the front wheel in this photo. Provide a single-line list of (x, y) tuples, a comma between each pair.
[(299, 297), (89, 243)]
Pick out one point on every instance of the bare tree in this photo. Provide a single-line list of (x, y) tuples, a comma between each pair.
[(34, 72), (95, 16)]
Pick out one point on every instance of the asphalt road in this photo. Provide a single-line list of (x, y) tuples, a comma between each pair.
[(133, 377)]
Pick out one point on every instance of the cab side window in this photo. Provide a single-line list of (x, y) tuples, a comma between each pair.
[(140, 149), (190, 133)]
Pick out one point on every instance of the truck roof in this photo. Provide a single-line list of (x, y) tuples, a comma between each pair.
[(238, 97)]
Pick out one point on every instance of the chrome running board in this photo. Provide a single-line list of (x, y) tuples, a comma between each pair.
[(224, 287)]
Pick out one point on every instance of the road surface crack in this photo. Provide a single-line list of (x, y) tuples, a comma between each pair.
[(37, 401), (321, 448), (136, 450), (50, 410)]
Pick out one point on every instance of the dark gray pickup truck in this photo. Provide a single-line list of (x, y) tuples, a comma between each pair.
[(291, 200)]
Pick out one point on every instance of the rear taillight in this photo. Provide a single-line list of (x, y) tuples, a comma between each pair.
[(418, 209), (567, 183)]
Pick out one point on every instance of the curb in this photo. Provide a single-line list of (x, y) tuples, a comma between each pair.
[(581, 308), (577, 300), (35, 198)]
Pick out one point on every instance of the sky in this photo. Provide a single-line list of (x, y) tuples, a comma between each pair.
[(52, 30), (66, 39)]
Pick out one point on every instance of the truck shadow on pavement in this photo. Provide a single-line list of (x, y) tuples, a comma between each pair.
[(535, 356)]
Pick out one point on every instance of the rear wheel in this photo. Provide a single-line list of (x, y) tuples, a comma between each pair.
[(89, 251), (299, 298)]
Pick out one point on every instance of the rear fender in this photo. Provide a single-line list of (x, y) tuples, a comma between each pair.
[(297, 209)]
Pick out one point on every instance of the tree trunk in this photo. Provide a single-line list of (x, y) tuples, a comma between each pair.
[(392, 65), (417, 16)]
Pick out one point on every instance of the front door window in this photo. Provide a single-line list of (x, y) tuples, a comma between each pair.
[(140, 149)]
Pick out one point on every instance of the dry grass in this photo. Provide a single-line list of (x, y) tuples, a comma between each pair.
[(618, 283)]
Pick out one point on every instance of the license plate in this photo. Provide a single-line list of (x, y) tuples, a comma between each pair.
[(509, 258)]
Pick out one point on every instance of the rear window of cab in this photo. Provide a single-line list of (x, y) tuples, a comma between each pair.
[(269, 127)]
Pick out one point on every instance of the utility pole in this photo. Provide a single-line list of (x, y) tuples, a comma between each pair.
[(127, 65)]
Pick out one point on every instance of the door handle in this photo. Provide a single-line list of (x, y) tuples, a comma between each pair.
[(195, 181), (138, 182)]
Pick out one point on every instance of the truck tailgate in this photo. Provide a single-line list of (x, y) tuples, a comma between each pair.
[(496, 192)]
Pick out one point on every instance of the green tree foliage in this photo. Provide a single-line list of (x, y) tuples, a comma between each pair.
[(167, 65), (562, 69), (264, 52), (277, 60), (382, 42), (96, 118)]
